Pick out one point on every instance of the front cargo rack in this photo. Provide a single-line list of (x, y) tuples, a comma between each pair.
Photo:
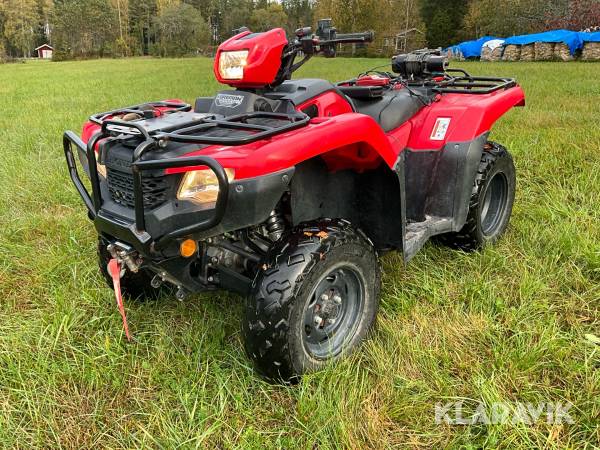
[(178, 124), (259, 125), (145, 110), (199, 128)]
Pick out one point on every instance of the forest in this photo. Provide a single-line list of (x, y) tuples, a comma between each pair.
[(80, 29)]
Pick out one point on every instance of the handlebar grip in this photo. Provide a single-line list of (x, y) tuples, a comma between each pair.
[(366, 36)]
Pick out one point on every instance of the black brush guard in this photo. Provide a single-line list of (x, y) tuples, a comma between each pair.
[(181, 133)]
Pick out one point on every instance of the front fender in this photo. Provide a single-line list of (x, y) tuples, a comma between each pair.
[(320, 136)]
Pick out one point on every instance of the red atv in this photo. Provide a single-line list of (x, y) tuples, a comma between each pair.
[(287, 190)]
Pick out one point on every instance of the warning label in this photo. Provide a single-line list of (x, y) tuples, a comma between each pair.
[(440, 129)]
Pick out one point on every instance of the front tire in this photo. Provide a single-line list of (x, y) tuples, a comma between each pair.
[(313, 300), (491, 201)]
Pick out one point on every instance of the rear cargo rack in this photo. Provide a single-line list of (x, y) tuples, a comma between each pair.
[(467, 84)]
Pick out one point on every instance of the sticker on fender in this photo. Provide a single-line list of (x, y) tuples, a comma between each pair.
[(440, 129)]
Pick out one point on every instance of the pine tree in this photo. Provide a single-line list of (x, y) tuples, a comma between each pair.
[(444, 21)]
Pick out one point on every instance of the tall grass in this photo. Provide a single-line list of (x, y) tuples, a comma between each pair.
[(508, 324)]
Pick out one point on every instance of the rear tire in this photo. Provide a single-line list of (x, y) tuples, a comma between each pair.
[(133, 285), (313, 300), (491, 201)]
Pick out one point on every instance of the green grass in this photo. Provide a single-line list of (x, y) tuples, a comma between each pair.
[(504, 325)]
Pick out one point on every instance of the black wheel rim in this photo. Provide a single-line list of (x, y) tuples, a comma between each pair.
[(333, 311), (494, 204)]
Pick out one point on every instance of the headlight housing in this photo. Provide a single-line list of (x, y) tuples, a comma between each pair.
[(201, 186), (231, 64)]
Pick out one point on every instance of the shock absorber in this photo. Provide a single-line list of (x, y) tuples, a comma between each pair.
[(275, 225)]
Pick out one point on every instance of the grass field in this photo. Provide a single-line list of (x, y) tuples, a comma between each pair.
[(511, 324)]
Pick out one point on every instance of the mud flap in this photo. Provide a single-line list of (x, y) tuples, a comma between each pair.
[(435, 190), (399, 168), (114, 269)]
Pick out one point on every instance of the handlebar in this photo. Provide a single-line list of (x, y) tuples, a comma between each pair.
[(324, 41), (350, 38)]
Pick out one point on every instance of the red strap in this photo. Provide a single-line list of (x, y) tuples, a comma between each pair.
[(114, 268)]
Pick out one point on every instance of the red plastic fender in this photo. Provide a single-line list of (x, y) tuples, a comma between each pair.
[(466, 116), (321, 135)]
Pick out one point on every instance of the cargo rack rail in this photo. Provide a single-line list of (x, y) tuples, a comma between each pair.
[(468, 84)]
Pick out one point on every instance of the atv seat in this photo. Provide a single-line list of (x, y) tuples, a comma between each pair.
[(390, 108)]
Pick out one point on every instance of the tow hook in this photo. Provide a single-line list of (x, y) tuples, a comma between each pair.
[(181, 294), (125, 254), (156, 281), (160, 278)]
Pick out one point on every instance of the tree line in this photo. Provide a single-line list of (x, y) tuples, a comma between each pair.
[(121, 28)]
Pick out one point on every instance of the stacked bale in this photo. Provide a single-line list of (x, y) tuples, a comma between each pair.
[(591, 51), (496, 54), (486, 54), (563, 53), (491, 55), (544, 51), (528, 52), (511, 53)]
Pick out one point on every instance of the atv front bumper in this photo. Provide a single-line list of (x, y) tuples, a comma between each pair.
[(156, 233)]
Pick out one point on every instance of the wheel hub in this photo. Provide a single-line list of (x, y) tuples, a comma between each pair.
[(327, 308), (332, 311)]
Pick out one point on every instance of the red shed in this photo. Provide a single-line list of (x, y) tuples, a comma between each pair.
[(44, 51)]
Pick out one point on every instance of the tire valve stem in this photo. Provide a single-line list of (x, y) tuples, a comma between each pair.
[(275, 225)]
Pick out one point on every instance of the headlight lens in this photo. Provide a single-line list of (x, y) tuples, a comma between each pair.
[(201, 186), (231, 64)]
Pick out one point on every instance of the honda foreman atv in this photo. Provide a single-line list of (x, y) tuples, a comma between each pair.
[(286, 191)]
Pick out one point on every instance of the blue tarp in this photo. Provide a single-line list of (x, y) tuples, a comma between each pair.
[(590, 37), (471, 49), (571, 38)]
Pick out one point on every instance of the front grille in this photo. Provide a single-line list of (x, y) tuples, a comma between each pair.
[(120, 186)]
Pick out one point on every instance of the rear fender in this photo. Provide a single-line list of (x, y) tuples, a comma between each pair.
[(466, 117)]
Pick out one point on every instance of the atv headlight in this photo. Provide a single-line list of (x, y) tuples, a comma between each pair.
[(231, 64), (201, 186)]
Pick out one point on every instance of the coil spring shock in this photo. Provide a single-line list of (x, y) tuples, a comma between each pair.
[(275, 225)]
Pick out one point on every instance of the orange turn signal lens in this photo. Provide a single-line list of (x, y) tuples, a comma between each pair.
[(187, 248)]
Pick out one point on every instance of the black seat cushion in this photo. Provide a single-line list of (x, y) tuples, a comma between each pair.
[(391, 110)]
